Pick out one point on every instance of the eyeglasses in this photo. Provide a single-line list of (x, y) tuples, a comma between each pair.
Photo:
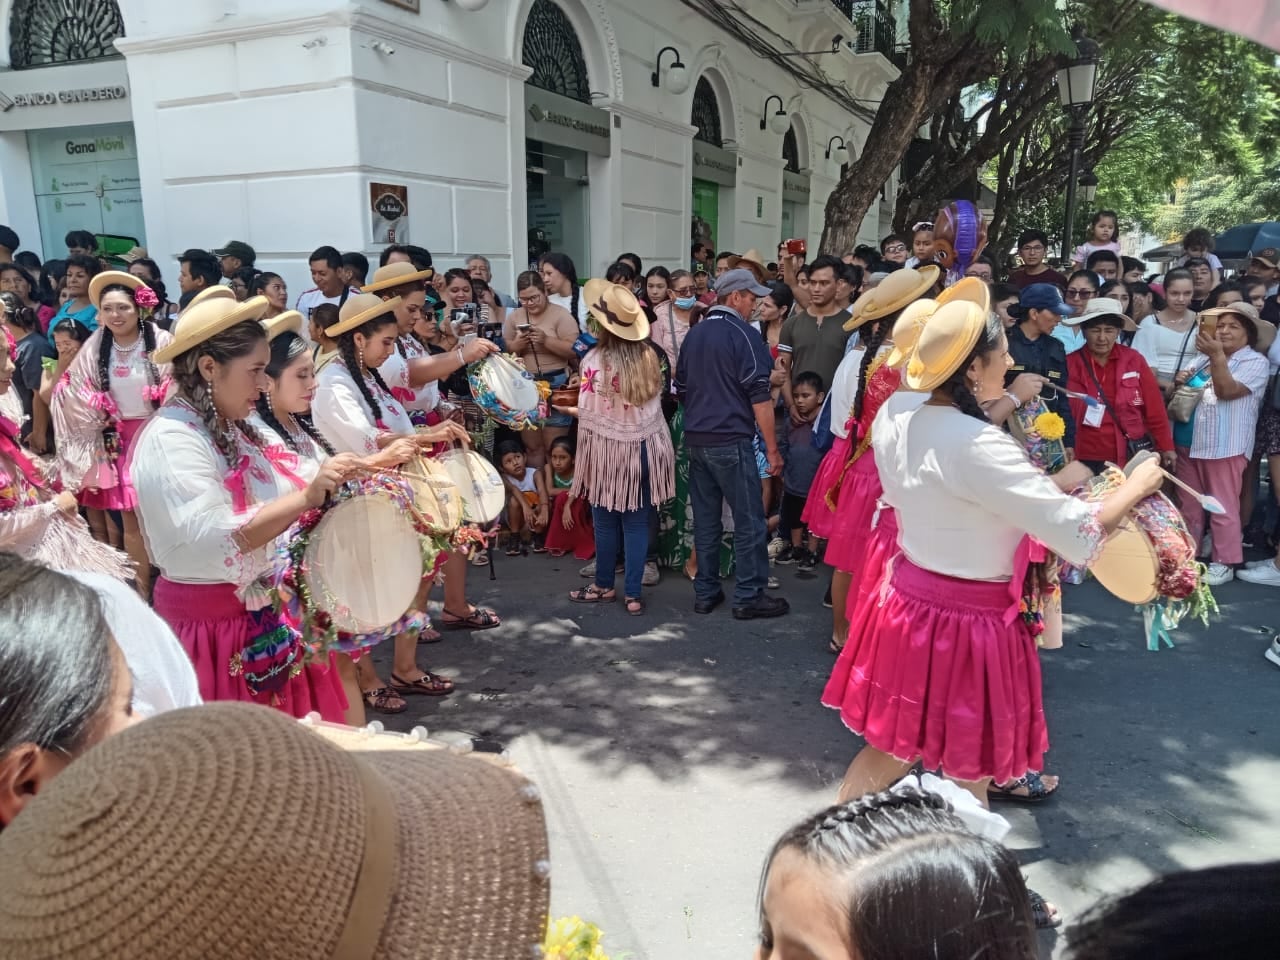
[(1033, 248), (1079, 293), (896, 248), (682, 291), (531, 299)]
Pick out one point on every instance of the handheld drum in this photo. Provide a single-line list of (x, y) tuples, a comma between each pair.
[(479, 485), (435, 494), (505, 390)]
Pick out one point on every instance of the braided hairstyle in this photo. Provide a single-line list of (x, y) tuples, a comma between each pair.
[(287, 349), (956, 386), (404, 290), (562, 263), (148, 331), (871, 346), (351, 357), (238, 341), (919, 883)]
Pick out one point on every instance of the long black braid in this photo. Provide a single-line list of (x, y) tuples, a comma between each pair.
[(268, 415), (309, 428), (350, 356), (957, 385), (872, 345), (238, 341), (286, 349), (148, 331)]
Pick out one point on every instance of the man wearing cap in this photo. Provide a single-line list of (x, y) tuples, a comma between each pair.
[(722, 379), (1265, 265), (9, 244), (235, 255), (1034, 349)]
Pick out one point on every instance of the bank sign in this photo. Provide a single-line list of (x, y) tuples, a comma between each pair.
[(52, 98), (66, 95)]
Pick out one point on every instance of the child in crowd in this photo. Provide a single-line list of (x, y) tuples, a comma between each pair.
[(921, 244), (569, 527), (526, 502), (800, 462), (1003, 296), (1198, 244), (895, 874), (1102, 231)]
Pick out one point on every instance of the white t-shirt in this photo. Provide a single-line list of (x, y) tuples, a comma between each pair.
[(308, 300), (567, 303), (966, 493), (1161, 347)]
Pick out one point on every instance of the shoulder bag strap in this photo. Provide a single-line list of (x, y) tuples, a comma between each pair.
[(1177, 367), (1107, 403)]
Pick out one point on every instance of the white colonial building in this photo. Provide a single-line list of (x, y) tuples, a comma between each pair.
[(509, 126)]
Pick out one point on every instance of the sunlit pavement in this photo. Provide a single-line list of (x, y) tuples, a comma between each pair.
[(673, 749)]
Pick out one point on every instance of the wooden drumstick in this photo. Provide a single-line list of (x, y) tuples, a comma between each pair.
[(1211, 504)]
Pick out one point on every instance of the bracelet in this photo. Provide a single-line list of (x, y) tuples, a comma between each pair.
[(1017, 404)]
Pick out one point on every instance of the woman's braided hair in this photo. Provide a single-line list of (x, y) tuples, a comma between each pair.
[(871, 346), (238, 341), (351, 357), (148, 331), (285, 349), (957, 385), (919, 883)]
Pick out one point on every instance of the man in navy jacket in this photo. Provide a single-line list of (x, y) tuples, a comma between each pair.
[(723, 381)]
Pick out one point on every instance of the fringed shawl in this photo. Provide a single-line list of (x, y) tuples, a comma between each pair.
[(611, 433)]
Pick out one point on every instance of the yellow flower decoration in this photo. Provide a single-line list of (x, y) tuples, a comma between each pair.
[(572, 938), (1050, 426)]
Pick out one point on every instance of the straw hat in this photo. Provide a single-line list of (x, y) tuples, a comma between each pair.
[(229, 831), (394, 275), (359, 310), (1097, 309), (907, 328), (945, 343), (752, 260), (134, 254), (616, 308), (892, 293), (216, 292), (108, 278), (203, 321), (969, 288), (288, 322)]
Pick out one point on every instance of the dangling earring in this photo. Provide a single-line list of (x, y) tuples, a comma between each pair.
[(360, 357), (266, 395)]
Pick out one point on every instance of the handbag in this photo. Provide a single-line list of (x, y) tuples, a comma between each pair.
[(1132, 446), (1184, 399)]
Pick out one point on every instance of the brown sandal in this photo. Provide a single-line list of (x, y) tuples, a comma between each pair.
[(479, 618), (383, 700), (592, 594), (428, 685)]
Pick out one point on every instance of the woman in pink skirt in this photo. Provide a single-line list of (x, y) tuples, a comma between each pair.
[(940, 668), (843, 495), (113, 386), (212, 507)]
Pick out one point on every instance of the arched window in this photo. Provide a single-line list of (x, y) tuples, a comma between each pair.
[(552, 49), (44, 32), (791, 150), (706, 114)]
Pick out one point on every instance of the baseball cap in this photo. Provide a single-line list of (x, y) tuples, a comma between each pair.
[(732, 281), (238, 249), (1268, 255), (1045, 296), (8, 239)]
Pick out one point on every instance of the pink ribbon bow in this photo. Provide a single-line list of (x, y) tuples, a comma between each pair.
[(286, 463), (403, 394), (235, 484)]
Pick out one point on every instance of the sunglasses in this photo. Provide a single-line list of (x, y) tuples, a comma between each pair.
[(1074, 293), (682, 291)]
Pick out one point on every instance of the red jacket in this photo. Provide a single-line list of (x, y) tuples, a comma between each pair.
[(1131, 387)]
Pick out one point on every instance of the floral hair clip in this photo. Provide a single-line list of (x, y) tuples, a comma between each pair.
[(146, 298)]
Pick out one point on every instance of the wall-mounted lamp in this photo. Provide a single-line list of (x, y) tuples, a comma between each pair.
[(840, 154), (677, 75), (779, 122), (383, 48)]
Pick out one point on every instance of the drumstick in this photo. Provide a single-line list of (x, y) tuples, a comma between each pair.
[(1211, 504), (1088, 400)]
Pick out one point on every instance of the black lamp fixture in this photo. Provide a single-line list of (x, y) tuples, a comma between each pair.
[(840, 154), (1076, 81), (677, 75), (780, 121), (1088, 186)]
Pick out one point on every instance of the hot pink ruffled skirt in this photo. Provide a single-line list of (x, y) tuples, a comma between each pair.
[(213, 626), (936, 668), (817, 516), (122, 496), (855, 512)]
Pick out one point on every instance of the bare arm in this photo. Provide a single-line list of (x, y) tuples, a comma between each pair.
[(764, 421), (790, 279), (1225, 386)]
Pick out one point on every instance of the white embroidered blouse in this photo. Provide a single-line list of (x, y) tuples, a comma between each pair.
[(342, 415)]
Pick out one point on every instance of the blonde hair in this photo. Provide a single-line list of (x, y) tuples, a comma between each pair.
[(636, 364)]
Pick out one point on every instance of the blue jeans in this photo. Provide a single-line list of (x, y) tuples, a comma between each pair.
[(728, 474), (624, 532)]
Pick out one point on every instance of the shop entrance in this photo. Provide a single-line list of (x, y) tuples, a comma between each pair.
[(558, 202), (86, 178), (706, 213)]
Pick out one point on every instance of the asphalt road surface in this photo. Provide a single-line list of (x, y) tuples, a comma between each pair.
[(673, 749)]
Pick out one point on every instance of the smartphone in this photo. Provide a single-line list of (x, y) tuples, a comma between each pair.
[(1209, 325), (524, 327), (797, 248)]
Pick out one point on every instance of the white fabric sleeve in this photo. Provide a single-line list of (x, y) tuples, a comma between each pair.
[(994, 472), (1144, 341), (342, 418), (78, 425)]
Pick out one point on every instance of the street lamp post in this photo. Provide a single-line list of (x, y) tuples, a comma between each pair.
[(1075, 88)]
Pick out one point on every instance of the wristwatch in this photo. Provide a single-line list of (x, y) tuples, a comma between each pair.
[(1017, 404)]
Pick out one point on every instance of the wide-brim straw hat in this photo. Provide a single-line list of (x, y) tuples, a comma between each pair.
[(203, 321), (229, 831), (891, 294), (1265, 330), (616, 308), (288, 322), (109, 278), (968, 288), (944, 344), (1099, 308), (395, 275), (752, 260), (359, 310), (907, 329), (217, 292)]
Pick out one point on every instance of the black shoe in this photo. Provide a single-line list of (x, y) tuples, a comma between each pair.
[(706, 606), (762, 607), (787, 554), (807, 563)]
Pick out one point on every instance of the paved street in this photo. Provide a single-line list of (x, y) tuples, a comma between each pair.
[(672, 750)]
